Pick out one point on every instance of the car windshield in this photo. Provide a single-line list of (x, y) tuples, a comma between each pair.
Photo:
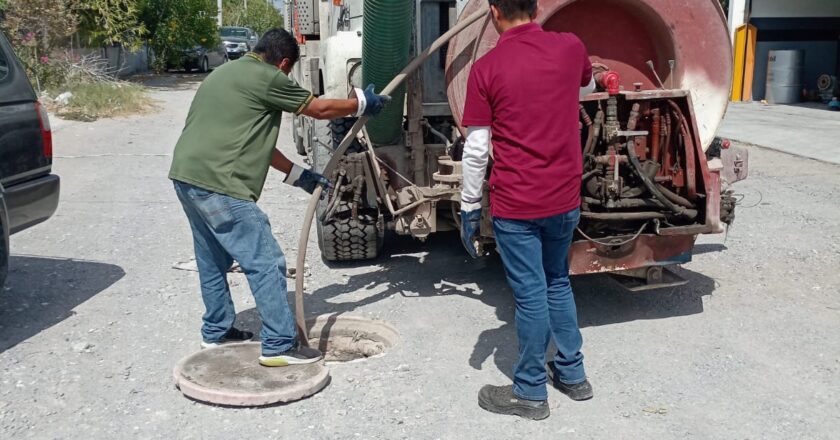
[(235, 32)]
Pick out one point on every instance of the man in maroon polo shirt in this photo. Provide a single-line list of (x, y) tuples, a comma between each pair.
[(524, 94)]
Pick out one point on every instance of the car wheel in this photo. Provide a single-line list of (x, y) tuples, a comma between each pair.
[(205, 65)]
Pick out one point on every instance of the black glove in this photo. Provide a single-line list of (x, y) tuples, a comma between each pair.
[(470, 228)]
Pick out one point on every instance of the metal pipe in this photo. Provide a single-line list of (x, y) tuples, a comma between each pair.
[(653, 69), (438, 134), (590, 135), (655, 131), (627, 203), (688, 143), (622, 216), (599, 122), (300, 319)]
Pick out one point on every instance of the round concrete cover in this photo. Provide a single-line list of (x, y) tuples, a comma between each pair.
[(231, 375)]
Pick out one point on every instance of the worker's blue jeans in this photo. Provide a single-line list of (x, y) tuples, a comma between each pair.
[(535, 254), (224, 229)]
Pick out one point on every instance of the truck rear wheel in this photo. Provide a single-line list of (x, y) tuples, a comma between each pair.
[(347, 239), (343, 238)]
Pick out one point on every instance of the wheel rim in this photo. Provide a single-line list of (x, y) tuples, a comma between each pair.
[(205, 65)]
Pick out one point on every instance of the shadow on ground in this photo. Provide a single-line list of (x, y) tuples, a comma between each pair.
[(439, 268), (41, 292), (173, 80)]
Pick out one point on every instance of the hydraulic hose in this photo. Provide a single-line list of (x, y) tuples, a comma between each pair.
[(637, 167), (300, 319)]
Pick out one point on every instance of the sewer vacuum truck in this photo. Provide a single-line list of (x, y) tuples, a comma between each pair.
[(655, 176)]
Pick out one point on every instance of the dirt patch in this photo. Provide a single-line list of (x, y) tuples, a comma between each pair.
[(345, 348)]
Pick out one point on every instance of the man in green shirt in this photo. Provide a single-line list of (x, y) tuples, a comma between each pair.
[(218, 170)]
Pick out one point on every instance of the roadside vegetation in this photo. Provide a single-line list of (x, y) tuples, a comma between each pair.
[(74, 83), (85, 91)]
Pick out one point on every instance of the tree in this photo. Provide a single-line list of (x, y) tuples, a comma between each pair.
[(41, 24), (35, 28), (111, 22), (260, 15), (174, 26)]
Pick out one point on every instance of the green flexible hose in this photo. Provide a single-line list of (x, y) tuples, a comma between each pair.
[(386, 40)]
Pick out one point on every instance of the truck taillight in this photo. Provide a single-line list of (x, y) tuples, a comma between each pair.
[(46, 130)]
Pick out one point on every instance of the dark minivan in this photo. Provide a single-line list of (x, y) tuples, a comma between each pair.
[(28, 189)]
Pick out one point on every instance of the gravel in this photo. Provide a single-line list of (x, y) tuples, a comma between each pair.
[(94, 317)]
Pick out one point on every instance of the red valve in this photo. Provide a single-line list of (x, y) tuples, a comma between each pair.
[(610, 81)]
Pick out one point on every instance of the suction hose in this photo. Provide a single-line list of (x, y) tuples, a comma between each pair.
[(300, 319)]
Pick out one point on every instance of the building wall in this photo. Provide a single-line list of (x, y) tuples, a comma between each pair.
[(820, 58), (809, 25), (795, 8)]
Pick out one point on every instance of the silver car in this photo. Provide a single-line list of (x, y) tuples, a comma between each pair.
[(238, 40)]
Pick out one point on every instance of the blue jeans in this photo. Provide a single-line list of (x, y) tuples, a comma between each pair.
[(535, 254), (226, 229)]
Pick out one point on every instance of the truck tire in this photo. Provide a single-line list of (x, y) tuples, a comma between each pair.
[(348, 239), (343, 238)]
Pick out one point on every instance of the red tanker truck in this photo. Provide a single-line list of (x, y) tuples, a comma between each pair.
[(655, 176)]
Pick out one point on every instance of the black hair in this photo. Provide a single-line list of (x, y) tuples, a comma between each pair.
[(277, 44), (515, 8)]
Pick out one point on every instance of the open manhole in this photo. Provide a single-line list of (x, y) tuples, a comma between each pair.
[(350, 338)]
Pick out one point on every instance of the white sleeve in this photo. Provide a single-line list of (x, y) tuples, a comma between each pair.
[(588, 89), (474, 164), (360, 96)]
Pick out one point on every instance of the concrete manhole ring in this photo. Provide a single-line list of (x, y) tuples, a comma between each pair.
[(350, 338), (230, 375)]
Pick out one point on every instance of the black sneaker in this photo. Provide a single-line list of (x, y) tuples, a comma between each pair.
[(298, 355), (578, 391), (501, 400), (232, 336)]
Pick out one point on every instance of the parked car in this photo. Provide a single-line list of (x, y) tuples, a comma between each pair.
[(202, 58), (238, 40), (28, 189)]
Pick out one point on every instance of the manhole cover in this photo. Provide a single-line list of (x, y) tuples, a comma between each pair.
[(231, 375), (350, 338)]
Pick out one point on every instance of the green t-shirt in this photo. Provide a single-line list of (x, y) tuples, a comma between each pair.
[(232, 128)]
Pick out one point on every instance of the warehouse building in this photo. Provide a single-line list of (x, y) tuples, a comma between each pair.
[(810, 27)]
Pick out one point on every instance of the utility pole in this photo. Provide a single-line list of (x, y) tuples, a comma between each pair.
[(219, 6), (246, 5)]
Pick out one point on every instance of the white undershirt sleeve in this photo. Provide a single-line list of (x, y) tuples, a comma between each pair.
[(474, 165), (588, 89)]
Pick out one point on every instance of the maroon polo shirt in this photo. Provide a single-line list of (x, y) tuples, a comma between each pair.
[(527, 91)]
